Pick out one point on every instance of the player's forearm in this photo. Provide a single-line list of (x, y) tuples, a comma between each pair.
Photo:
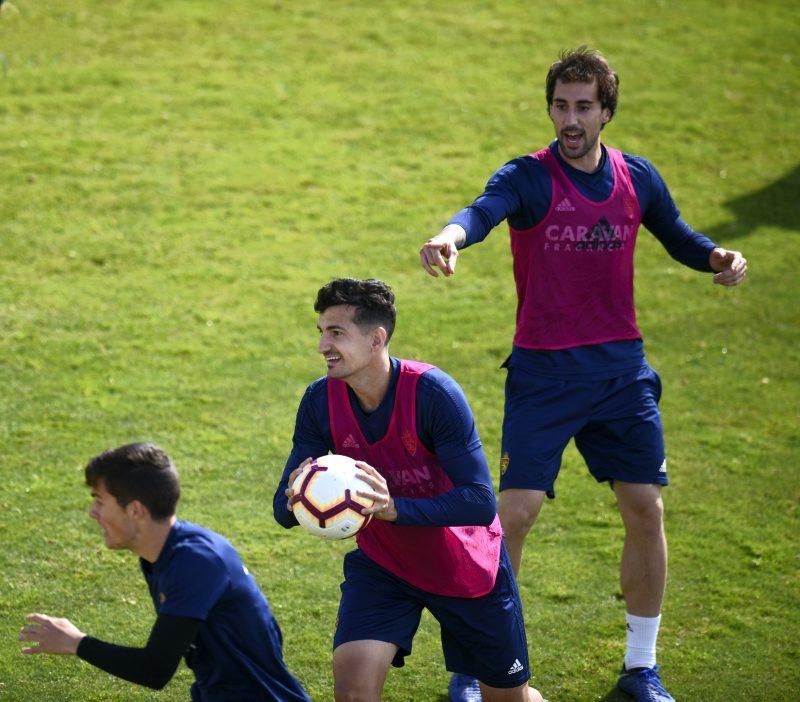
[(473, 505), (152, 666), (501, 198), (474, 225), (687, 246), (131, 664)]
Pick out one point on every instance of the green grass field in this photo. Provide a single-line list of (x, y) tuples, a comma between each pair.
[(177, 179)]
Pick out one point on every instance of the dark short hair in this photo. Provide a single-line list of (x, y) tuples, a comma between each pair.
[(373, 300), (140, 471), (583, 65)]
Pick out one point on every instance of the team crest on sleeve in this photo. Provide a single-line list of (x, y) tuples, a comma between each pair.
[(410, 442), (503, 463)]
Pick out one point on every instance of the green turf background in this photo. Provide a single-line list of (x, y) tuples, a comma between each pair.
[(177, 179)]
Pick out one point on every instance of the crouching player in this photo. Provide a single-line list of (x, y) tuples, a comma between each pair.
[(209, 608)]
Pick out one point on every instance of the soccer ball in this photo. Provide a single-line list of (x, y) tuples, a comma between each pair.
[(325, 500)]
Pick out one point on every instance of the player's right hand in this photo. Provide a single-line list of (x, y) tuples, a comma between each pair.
[(50, 634), (441, 251), (289, 491)]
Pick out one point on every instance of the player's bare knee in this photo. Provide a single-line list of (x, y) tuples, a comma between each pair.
[(518, 514), (518, 518), (640, 503), (646, 521)]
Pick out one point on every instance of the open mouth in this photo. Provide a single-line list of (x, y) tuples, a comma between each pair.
[(572, 139)]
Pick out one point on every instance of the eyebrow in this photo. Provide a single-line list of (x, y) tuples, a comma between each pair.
[(580, 102)]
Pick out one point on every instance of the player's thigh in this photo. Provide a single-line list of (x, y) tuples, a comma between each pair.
[(541, 415), (485, 636), (625, 438), (375, 605)]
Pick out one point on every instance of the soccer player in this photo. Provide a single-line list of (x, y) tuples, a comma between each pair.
[(209, 608), (435, 540), (577, 368)]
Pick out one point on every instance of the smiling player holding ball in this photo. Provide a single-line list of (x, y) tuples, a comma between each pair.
[(434, 540)]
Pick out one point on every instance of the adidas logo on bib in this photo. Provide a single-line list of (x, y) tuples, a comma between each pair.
[(350, 442), (565, 206)]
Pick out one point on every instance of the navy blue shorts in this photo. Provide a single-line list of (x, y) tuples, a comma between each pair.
[(483, 636), (616, 425)]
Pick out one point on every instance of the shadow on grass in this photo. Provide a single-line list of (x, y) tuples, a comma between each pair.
[(615, 695), (776, 205)]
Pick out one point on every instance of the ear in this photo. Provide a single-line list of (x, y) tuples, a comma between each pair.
[(606, 115), (137, 510), (378, 341)]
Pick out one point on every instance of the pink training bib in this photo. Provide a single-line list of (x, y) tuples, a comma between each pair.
[(574, 269)]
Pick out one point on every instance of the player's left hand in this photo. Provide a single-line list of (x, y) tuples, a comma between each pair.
[(729, 267), (383, 504), (53, 635)]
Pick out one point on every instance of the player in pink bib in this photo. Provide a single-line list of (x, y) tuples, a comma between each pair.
[(435, 540), (577, 369)]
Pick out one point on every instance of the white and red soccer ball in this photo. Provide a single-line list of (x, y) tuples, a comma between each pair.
[(326, 500)]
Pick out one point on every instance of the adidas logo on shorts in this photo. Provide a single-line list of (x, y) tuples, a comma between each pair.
[(516, 668)]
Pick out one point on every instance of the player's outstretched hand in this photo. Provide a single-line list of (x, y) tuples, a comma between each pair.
[(383, 504), (441, 251), (729, 267), (52, 635)]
